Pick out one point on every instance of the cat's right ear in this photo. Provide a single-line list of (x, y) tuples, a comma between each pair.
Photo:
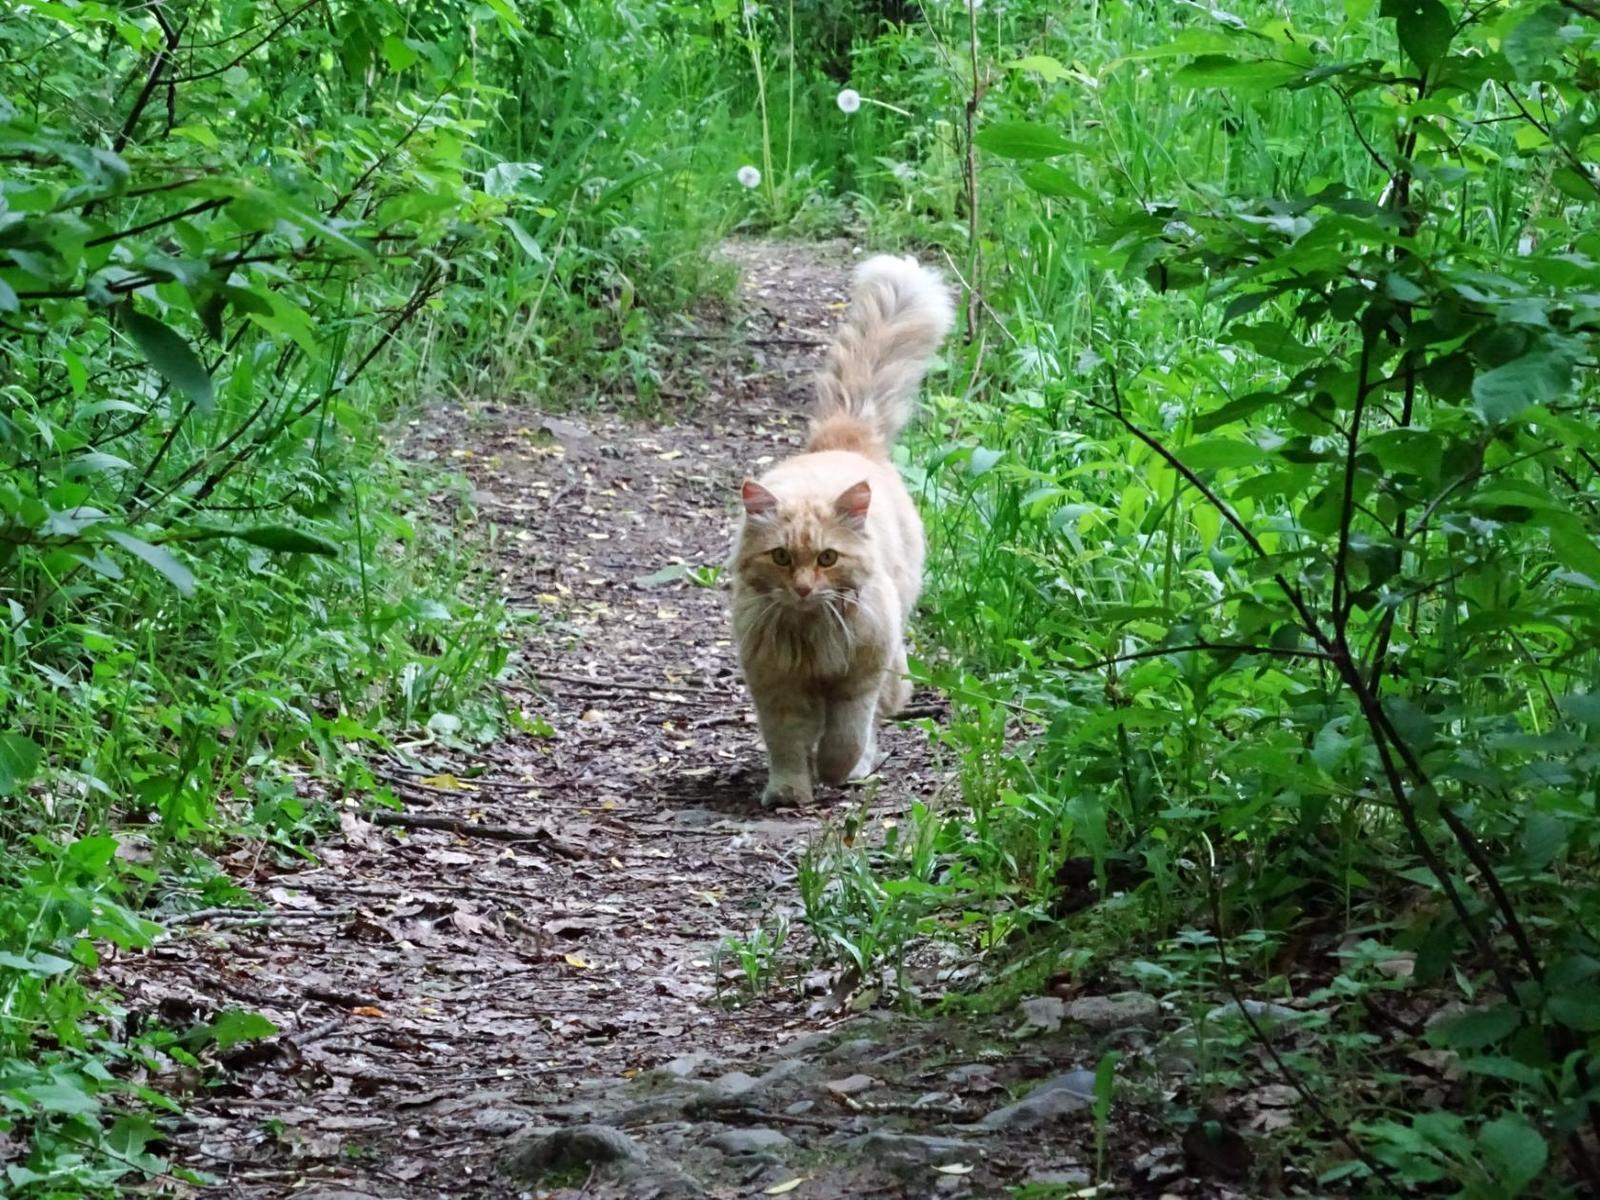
[(758, 502)]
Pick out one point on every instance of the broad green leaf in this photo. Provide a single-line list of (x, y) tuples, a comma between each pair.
[(1476, 1030), (668, 574), (1534, 42), (63, 1096), (1512, 1144), (158, 557), (1506, 392), (1042, 65), (1213, 453), (237, 1026), (286, 540), (37, 963), (1237, 74), (172, 357), (20, 757), (1425, 28), (1019, 139), (1050, 180)]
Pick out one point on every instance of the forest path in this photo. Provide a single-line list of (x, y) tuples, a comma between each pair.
[(540, 928)]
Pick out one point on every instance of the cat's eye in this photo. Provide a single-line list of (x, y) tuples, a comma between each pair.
[(827, 558), (781, 557)]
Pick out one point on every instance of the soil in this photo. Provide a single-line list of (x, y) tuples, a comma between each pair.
[(515, 986)]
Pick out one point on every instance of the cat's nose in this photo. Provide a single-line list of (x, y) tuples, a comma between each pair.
[(802, 590)]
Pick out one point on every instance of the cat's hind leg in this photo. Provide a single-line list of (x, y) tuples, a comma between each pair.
[(895, 692)]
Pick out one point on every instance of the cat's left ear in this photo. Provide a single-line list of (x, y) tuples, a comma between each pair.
[(852, 504)]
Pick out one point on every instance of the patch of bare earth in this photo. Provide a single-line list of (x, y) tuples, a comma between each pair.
[(512, 988)]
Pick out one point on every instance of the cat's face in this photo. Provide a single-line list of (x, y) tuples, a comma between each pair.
[(805, 553)]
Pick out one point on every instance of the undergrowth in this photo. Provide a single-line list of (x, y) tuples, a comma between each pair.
[(1261, 490)]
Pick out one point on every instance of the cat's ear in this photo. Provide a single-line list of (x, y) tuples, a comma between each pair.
[(852, 504), (758, 502)]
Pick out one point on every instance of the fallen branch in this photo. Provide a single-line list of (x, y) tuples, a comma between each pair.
[(466, 828)]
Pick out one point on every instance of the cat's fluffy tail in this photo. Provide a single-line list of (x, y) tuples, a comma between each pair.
[(899, 313)]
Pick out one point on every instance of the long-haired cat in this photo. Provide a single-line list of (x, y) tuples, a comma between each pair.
[(828, 560)]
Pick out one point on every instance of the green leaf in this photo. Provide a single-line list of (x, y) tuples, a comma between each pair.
[(1050, 180), (1237, 74), (1425, 28), (286, 540), (20, 757), (1042, 65), (63, 1096), (1478, 1029), (237, 1026), (1512, 1144), (158, 557), (37, 963), (666, 575), (1019, 139), (1506, 392), (1535, 42), (1497, 1067), (1213, 453), (398, 54), (171, 356)]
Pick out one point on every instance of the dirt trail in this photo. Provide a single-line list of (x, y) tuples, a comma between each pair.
[(511, 988)]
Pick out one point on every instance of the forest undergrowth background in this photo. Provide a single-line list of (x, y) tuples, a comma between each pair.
[(1260, 477)]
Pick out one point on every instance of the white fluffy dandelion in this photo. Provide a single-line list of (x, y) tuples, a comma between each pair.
[(849, 101), (749, 176)]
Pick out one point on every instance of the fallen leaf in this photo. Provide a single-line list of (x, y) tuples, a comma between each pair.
[(787, 1185), (577, 960), (446, 783), (955, 1169), (366, 1010)]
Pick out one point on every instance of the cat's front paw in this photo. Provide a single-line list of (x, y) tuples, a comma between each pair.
[(786, 793)]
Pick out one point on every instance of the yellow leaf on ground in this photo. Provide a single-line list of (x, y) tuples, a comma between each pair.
[(955, 1169), (787, 1185), (446, 783), (577, 960)]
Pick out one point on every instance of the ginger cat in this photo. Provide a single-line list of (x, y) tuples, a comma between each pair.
[(828, 560)]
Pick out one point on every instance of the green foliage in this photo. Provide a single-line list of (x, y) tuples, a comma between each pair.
[(1264, 517), (237, 240)]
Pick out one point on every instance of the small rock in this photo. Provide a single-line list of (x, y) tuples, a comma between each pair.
[(853, 1049), (1264, 1011), (852, 1085), (1105, 1014), (568, 433), (1057, 1097), (734, 1085), (1044, 1012), (574, 1146), (810, 1044), (686, 1066), (908, 1151), (800, 1108), (738, 1142)]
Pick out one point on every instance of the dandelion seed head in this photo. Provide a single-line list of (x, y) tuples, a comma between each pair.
[(749, 176), (849, 100)]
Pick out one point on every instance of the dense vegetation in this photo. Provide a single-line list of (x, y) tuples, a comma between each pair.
[(1261, 483)]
